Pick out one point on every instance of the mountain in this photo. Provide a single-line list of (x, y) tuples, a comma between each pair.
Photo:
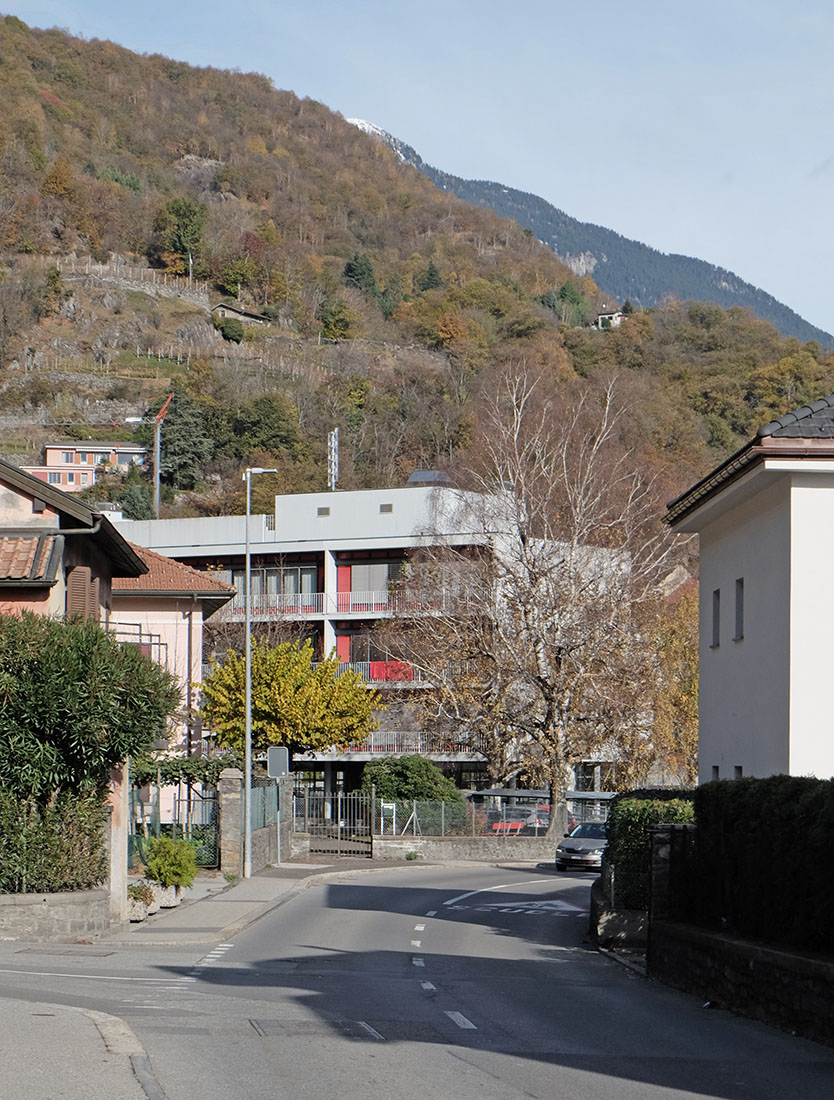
[(623, 268)]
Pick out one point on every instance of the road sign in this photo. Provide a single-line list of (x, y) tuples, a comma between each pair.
[(277, 762)]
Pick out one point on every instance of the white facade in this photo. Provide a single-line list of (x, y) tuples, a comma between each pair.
[(766, 612)]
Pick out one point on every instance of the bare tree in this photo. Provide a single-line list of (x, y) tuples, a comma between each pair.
[(536, 643)]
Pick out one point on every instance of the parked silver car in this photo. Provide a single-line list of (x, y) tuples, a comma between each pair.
[(582, 848)]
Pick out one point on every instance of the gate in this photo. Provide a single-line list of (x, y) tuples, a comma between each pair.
[(191, 816), (337, 824)]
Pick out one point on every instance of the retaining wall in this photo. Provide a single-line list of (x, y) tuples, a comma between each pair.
[(786, 990), (490, 849), (57, 917)]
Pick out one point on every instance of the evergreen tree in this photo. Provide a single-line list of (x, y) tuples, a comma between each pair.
[(359, 272), (430, 279)]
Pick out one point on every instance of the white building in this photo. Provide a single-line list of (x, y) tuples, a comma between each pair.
[(766, 523)]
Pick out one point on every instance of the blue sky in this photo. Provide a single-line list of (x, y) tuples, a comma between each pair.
[(703, 129)]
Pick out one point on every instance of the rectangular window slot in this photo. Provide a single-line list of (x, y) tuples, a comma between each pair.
[(386, 509), (739, 634), (716, 618), (322, 511), (715, 771), (738, 771)]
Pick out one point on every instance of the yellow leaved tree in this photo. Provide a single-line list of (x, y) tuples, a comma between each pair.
[(296, 703)]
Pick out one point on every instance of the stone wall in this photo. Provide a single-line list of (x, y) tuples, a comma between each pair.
[(58, 917), (269, 845), (489, 849), (786, 990)]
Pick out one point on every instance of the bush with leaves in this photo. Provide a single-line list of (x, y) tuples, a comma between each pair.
[(52, 848), (171, 862), (408, 778), (630, 819)]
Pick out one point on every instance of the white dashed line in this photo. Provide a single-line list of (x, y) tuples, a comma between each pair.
[(459, 1019), (429, 988), (416, 943), (418, 962), (419, 927), (489, 889), (431, 913)]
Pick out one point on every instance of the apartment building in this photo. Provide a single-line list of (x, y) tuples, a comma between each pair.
[(72, 466), (329, 562)]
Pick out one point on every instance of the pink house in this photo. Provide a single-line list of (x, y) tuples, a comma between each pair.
[(72, 466)]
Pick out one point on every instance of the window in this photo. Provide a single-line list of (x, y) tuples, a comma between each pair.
[(70, 478), (84, 479), (54, 478), (386, 509), (716, 618), (102, 457), (82, 457), (715, 771), (67, 456), (738, 771), (322, 511), (739, 634)]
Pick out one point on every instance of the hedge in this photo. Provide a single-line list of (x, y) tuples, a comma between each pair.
[(630, 818), (763, 859), (54, 848)]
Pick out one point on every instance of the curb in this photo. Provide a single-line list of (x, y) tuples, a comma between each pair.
[(120, 1039)]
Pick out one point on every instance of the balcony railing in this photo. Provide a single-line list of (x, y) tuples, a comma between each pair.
[(274, 605), (385, 742), (384, 672)]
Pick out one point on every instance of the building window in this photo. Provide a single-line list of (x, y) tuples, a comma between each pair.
[(739, 634), (54, 478), (386, 509), (716, 618), (67, 456), (102, 458), (84, 479), (738, 771), (715, 771), (70, 478), (82, 457), (322, 511)]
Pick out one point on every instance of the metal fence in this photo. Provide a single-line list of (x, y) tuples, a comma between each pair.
[(191, 816), (264, 806)]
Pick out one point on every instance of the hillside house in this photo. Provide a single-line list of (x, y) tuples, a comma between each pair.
[(73, 466), (225, 310), (765, 518)]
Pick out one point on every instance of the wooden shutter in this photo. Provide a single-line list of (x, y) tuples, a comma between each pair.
[(78, 591)]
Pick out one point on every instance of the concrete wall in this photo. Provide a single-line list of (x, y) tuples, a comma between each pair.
[(62, 917), (269, 845), (744, 682), (489, 849), (811, 613), (793, 992)]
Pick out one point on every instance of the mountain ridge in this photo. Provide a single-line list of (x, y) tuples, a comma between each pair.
[(622, 267)]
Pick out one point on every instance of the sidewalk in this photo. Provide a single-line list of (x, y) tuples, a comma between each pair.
[(53, 1050), (211, 909)]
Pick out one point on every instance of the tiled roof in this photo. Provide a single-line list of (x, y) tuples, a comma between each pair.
[(166, 575), (29, 559), (814, 421)]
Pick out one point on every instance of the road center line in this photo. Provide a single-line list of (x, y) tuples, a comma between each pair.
[(416, 943), (459, 1019), (418, 962), (431, 913), (429, 988), (419, 927), (503, 886), (92, 977)]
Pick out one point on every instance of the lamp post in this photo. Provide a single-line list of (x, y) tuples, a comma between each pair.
[(247, 744)]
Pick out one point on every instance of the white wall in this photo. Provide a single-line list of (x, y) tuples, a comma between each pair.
[(744, 685), (812, 616)]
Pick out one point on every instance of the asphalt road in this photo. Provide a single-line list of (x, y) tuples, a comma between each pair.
[(420, 984)]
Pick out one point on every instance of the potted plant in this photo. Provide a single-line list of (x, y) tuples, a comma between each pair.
[(140, 898), (172, 865)]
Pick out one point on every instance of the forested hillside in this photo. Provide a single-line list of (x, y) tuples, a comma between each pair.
[(138, 192), (624, 269)]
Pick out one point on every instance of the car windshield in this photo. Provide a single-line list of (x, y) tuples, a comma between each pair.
[(590, 831)]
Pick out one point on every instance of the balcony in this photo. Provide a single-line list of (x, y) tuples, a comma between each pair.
[(388, 673), (362, 605), (388, 742)]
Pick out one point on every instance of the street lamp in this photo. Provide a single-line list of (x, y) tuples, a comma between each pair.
[(247, 745), (157, 432)]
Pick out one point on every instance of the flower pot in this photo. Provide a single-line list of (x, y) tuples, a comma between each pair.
[(168, 897), (136, 910)]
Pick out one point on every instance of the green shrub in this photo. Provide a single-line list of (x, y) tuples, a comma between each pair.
[(54, 848), (763, 854), (171, 862), (141, 891), (630, 818), (230, 328)]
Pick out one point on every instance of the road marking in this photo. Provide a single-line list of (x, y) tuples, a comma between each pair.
[(489, 889), (431, 913), (92, 977), (418, 962), (461, 1020), (372, 1031), (416, 943), (429, 988), (419, 927)]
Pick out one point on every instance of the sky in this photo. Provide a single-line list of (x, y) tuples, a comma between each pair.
[(704, 129)]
